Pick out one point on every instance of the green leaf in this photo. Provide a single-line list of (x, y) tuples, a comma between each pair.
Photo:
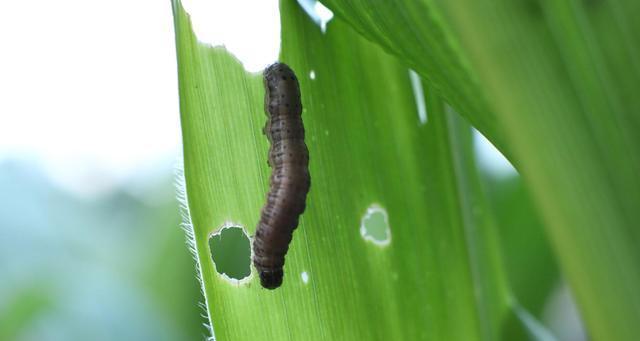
[(559, 79), (439, 277), (529, 260)]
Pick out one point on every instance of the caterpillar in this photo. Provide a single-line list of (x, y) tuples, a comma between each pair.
[(290, 180)]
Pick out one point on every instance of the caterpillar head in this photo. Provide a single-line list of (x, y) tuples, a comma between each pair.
[(271, 279)]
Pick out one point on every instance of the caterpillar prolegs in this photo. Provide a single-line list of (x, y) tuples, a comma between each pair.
[(290, 180)]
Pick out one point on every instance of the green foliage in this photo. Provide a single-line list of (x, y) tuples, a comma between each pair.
[(548, 82), (557, 77), (367, 148), (107, 268), (529, 260)]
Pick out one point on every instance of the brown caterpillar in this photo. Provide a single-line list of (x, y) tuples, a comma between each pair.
[(290, 180)]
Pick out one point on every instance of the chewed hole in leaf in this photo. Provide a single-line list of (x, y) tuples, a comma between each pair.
[(374, 226), (231, 252)]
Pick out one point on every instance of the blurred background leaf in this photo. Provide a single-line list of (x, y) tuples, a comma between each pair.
[(108, 268), (556, 77)]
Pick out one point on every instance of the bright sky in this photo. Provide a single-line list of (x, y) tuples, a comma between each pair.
[(249, 29), (89, 88), (489, 158)]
